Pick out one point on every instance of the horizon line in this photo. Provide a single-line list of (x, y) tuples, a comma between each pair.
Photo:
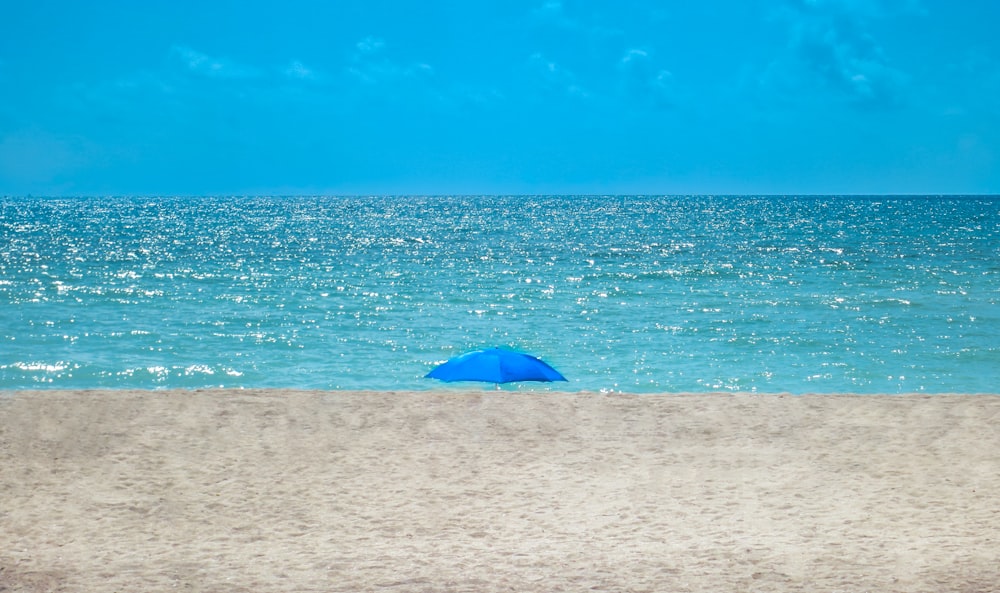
[(502, 194)]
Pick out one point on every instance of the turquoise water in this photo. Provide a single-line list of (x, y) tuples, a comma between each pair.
[(641, 294)]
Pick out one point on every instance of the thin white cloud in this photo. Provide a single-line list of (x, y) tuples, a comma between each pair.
[(370, 45), (202, 64), (831, 48), (553, 13), (554, 76), (646, 82), (634, 55), (371, 65), (850, 61), (299, 71), (421, 70)]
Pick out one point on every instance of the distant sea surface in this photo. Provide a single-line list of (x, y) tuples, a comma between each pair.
[(620, 293)]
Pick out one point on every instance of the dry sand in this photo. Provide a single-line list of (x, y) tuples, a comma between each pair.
[(486, 491)]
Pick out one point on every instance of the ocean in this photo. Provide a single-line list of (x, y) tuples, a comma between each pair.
[(642, 294)]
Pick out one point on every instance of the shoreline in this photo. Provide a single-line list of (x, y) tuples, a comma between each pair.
[(484, 388), (484, 490)]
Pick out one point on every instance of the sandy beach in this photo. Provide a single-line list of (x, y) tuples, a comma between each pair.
[(480, 491)]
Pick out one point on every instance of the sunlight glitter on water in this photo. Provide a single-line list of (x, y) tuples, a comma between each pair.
[(622, 293)]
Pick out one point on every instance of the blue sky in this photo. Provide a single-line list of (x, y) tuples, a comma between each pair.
[(178, 97)]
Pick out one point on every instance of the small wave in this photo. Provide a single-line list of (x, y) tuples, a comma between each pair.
[(33, 367)]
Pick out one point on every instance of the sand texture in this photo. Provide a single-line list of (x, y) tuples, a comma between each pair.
[(482, 491)]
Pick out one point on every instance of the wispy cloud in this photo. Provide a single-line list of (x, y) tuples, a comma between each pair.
[(193, 62), (370, 45), (553, 76), (831, 47), (554, 14), (296, 70), (644, 81), (202, 64), (840, 52), (371, 64)]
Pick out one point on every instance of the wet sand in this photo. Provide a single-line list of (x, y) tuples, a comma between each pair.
[(482, 491)]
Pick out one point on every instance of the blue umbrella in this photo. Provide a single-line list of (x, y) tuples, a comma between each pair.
[(495, 365)]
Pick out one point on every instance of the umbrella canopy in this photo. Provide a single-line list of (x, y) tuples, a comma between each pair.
[(495, 365)]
